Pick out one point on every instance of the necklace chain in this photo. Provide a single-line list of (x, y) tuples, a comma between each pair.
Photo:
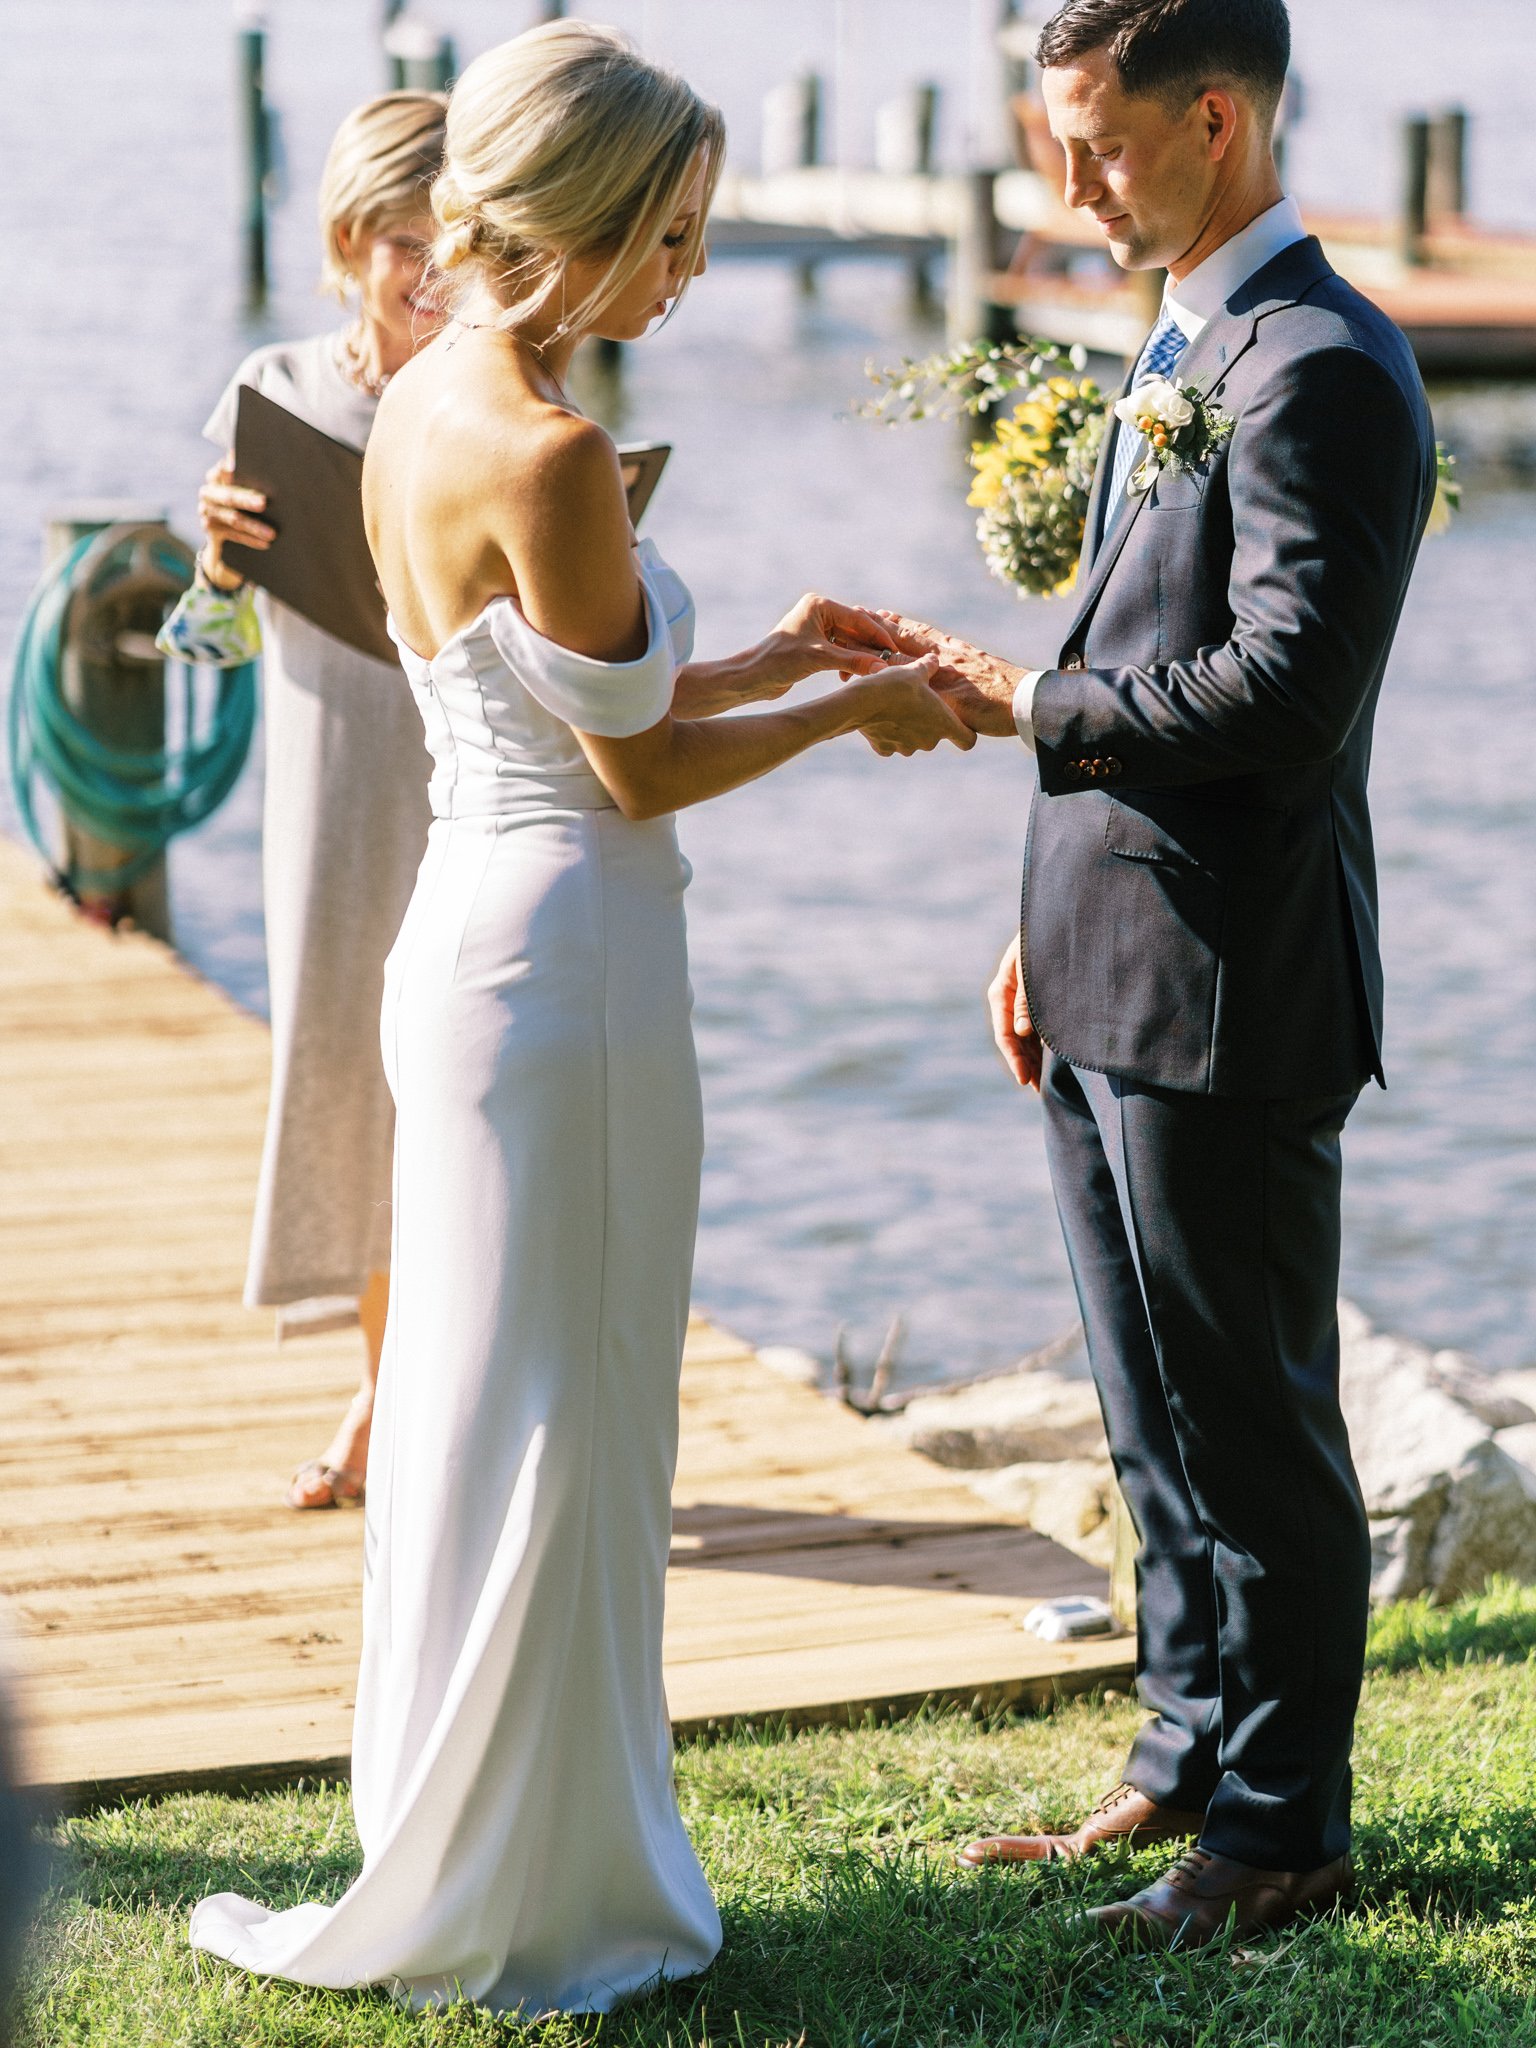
[(486, 326)]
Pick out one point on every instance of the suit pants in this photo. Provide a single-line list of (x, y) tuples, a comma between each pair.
[(1203, 1233)]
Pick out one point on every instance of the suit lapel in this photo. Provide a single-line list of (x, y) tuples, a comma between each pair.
[(1093, 524), (1211, 359)]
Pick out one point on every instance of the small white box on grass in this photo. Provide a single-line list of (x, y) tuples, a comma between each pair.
[(1061, 1621)]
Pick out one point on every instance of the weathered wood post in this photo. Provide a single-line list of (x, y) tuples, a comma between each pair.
[(1415, 213), (1447, 194), (973, 258), (792, 125), (792, 140), (114, 683), (905, 130), (254, 128), (421, 59)]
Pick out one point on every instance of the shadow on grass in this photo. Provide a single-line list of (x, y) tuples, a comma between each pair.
[(898, 1952), (854, 1951), (135, 1876)]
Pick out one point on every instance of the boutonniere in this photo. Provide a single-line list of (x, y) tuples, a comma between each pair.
[(1183, 429)]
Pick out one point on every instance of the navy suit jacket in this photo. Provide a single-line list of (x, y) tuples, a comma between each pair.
[(1199, 884)]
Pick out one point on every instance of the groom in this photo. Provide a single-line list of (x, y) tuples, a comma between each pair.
[(1197, 988)]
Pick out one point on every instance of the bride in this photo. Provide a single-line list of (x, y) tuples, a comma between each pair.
[(512, 1757)]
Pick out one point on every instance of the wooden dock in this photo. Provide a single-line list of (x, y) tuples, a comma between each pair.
[(176, 1626), (1467, 306)]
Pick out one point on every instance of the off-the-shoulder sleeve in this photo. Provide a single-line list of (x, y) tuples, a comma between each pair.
[(612, 699)]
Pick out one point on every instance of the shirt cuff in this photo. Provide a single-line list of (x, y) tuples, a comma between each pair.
[(1024, 705)]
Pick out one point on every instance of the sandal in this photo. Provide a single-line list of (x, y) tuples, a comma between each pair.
[(346, 1488)]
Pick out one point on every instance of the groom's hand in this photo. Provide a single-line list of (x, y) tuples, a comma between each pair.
[(1013, 1032), (978, 686)]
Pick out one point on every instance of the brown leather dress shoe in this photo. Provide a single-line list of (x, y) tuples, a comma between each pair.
[(1205, 1893), (1123, 1819)]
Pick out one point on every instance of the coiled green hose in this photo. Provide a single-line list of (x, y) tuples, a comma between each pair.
[(128, 798)]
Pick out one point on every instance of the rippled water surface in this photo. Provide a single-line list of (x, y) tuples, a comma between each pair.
[(867, 1153)]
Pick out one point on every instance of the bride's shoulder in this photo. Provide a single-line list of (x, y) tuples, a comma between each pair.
[(552, 460)]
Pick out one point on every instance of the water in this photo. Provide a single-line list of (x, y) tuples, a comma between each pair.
[(867, 1152)]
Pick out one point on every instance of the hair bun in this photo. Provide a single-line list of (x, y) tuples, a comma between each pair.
[(456, 242)]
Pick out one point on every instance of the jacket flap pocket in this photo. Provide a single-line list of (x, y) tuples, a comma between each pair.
[(1132, 835)]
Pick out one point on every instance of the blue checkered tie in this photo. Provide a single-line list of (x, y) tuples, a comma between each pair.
[(1160, 358)]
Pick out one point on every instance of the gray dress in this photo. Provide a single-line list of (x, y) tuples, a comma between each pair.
[(343, 832)]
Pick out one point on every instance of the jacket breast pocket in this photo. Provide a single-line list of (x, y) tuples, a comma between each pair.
[(1175, 493)]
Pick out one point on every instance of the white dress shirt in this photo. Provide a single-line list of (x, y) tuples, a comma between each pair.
[(1193, 303)]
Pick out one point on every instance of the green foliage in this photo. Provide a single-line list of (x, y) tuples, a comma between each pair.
[(847, 1924), (1034, 477)]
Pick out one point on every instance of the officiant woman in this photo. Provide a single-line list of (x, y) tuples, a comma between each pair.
[(346, 813)]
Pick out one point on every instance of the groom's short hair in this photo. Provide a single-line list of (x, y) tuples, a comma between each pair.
[(1173, 49)]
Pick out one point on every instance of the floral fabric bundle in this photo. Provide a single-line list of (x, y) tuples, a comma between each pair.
[(216, 628)]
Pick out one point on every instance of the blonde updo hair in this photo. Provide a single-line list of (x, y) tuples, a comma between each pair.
[(566, 142), (378, 173)]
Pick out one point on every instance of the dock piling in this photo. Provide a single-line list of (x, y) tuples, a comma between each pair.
[(114, 683), (1447, 178), (972, 259), (1414, 221), (792, 125), (419, 57), (254, 127)]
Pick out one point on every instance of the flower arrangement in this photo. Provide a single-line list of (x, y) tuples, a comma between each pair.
[(1447, 492), (1033, 478)]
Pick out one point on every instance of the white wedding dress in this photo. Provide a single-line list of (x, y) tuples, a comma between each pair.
[(512, 1761)]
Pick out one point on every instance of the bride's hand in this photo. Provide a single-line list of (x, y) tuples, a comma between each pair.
[(816, 634), (900, 712)]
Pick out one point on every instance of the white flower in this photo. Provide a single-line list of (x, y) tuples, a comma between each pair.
[(1156, 400)]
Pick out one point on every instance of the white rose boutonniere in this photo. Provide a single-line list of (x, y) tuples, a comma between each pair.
[(1182, 427)]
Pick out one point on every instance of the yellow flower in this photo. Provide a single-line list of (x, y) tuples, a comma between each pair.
[(991, 462)]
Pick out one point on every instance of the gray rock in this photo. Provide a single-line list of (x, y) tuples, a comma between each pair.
[(1067, 1499), (1445, 1451), (1020, 1418), (1520, 1444), (791, 1363), (1489, 1396), (1449, 1505)]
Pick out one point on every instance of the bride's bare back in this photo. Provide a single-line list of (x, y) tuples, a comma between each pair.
[(479, 483)]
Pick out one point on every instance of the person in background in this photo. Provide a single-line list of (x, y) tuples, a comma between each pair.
[(346, 812)]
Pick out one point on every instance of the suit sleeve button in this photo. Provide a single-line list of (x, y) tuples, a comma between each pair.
[(1112, 766), (1074, 661)]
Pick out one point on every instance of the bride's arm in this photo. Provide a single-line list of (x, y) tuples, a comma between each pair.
[(682, 761), (568, 542), (816, 635)]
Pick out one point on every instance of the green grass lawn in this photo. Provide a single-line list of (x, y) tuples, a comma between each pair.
[(847, 1925)]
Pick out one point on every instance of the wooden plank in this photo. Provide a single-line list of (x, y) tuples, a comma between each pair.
[(178, 1626)]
